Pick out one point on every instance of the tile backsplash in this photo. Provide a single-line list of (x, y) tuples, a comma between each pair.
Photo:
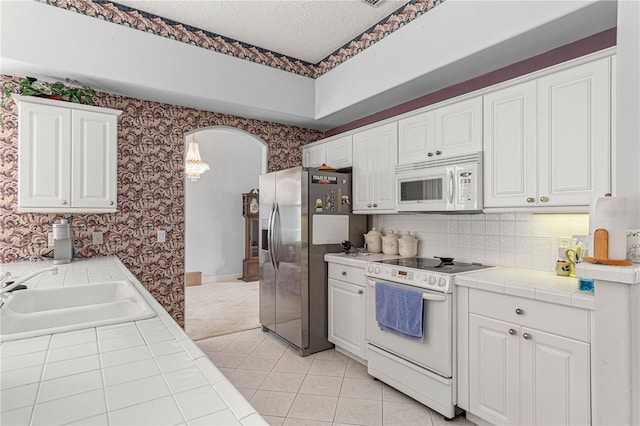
[(523, 240)]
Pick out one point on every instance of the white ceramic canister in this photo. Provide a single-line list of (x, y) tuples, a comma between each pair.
[(390, 243), (633, 245), (408, 245), (373, 241)]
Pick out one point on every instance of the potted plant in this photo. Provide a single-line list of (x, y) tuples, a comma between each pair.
[(32, 87)]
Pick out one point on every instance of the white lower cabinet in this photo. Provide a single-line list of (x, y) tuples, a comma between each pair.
[(522, 375), (347, 309)]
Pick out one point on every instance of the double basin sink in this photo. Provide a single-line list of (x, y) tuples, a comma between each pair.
[(36, 312)]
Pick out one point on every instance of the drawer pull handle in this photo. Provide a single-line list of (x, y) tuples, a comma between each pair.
[(530, 200), (369, 205), (519, 311), (544, 199), (526, 336), (512, 332), (344, 272), (360, 291), (375, 205)]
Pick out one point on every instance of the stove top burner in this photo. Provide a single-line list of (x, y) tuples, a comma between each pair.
[(445, 265)]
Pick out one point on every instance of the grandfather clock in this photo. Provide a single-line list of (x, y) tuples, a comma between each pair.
[(250, 264)]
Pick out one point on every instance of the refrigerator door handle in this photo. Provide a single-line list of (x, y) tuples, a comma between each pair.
[(270, 235), (276, 237)]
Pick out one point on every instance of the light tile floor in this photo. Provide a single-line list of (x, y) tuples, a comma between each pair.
[(326, 388)]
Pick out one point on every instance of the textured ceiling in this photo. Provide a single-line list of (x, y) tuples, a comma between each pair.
[(309, 30)]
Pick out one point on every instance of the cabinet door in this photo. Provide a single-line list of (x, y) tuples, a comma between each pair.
[(347, 316), (555, 380), (314, 156), (494, 377), (339, 152), (416, 138), (95, 160), (363, 153), (44, 157), (385, 154), (459, 128), (574, 135), (510, 146)]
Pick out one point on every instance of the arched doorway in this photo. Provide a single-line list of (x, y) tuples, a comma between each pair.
[(214, 230)]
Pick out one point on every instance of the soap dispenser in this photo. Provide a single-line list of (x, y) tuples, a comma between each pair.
[(62, 242)]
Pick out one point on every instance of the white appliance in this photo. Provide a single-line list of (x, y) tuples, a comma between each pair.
[(442, 185), (422, 368)]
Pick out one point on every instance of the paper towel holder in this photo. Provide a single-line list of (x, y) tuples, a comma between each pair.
[(601, 251)]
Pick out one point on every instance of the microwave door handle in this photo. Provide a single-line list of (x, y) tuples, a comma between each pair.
[(450, 188)]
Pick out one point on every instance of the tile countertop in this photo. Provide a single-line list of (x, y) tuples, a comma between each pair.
[(531, 284), (358, 260), (142, 372)]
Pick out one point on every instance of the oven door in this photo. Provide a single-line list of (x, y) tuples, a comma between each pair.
[(434, 350), (429, 189)]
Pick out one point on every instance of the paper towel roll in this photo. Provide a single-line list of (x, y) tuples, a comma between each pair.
[(609, 213)]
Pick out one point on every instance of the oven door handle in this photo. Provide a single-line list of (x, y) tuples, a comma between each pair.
[(425, 296)]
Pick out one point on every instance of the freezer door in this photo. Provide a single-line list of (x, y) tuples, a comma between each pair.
[(288, 240), (267, 267)]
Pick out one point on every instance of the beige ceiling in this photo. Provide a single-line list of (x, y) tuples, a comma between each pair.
[(304, 29)]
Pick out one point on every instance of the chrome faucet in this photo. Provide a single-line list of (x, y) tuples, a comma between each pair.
[(8, 285)]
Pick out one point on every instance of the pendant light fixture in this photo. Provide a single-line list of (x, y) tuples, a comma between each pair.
[(194, 166)]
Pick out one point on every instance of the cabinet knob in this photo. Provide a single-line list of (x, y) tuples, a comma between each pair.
[(530, 200), (64, 201), (360, 291), (375, 205), (526, 336), (430, 154), (512, 332), (344, 273), (438, 152), (368, 205), (110, 203), (544, 199), (519, 311)]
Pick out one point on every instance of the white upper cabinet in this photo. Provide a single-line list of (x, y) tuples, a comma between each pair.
[(450, 130), (335, 153), (547, 142), (510, 146), (374, 160), (574, 134), (67, 157)]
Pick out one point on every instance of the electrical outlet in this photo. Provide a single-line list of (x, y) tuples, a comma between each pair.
[(50, 239), (97, 237), (162, 236), (225, 263), (564, 242)]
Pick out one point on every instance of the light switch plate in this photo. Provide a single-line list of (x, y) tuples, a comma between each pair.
[(162, 236), (97, 237)]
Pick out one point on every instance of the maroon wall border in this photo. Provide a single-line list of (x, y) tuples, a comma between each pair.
[(556, 56)]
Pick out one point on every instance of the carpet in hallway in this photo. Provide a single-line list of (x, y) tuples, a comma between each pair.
[(217, 308)]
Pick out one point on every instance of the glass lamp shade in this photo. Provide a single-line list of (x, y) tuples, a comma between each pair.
[(194, 165)]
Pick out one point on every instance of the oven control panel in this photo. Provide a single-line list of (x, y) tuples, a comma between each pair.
[(415, 277)]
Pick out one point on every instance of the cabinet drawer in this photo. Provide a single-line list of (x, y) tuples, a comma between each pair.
[(562, 320), (347, 273)]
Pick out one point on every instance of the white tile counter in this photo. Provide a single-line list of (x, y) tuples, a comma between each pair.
[(531, 284), (142, 372)]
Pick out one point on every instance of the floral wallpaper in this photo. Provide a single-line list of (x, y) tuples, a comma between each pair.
[(150, 190), (123, 15)]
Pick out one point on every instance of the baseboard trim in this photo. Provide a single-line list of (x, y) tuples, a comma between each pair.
[(218, 278)]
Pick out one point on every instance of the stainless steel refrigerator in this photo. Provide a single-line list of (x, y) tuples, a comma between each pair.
[(304, 213)]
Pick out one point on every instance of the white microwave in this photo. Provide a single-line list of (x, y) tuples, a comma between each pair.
[(443, 185)]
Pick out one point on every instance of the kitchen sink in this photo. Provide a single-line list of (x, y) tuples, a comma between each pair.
[(36, 312)]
